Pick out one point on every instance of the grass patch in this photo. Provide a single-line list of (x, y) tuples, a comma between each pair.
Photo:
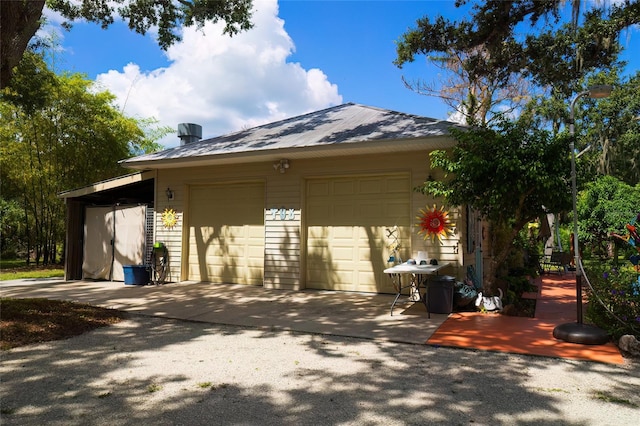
[(18, 270), (27, 321), (607, 397), (552, 390), (154, 387)]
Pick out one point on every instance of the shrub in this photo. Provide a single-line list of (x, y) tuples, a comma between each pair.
[(614, 303)]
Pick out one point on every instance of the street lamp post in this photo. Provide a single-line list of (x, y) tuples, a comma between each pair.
[(579, 332)]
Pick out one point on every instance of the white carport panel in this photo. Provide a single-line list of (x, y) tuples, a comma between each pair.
[(113, 237)]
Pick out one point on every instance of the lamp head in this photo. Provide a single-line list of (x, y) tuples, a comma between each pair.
[(281, 165), (600, 91)]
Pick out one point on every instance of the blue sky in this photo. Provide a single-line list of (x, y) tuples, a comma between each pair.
[(300, 57)]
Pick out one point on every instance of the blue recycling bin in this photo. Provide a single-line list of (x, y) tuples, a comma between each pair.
[(136, 274)]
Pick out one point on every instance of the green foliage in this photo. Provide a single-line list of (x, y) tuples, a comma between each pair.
[(605, 207), (12, 229), (612, 128), (167, 16), (502, 54), (560, 57), (32, 86), (511, 171), (21, 20), (152, 132), (512, 175), (491, 39), (507, 174), (517, 284), (58, 134), (619, 292)]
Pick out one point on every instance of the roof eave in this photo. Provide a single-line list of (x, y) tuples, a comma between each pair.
[(322, 151), (107, 184)]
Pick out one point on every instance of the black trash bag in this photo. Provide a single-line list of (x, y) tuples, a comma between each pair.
[(463, 294)]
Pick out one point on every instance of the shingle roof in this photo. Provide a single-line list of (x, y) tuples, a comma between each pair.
[(341, 127)]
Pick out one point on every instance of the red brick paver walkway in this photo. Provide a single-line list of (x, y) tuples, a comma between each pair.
[(556, 305)]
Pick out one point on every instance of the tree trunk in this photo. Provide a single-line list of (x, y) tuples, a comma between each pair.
[(19, 21), (501, 248)]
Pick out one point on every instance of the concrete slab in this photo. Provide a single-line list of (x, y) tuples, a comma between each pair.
[(323, 312)]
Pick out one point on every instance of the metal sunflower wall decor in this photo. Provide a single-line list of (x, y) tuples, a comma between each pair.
[(434, 223), (169, 218)]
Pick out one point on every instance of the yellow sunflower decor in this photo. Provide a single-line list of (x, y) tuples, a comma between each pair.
[(169, 218), (434, 223)]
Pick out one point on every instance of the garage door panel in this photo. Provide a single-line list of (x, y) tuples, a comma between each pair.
[(342, 212), (371, 212), (342, 233), (397, 209), (347, 243), (256, 233), (366, 276), (370, 186), (343, 187), (344, 277), (255, 253), (343, 253), (226, 233), (396, 185), (318, 188), (364, 254)]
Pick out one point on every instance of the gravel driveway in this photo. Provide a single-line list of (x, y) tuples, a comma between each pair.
[(155, 371)]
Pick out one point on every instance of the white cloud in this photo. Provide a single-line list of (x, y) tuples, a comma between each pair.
[(224, 83)]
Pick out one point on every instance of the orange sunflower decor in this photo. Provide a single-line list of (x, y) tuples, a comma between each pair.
[(434, 223)]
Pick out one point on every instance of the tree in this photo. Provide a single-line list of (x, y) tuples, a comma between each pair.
[(60, 135), (612, 131), (502, 42), (512, 175), (479, 99), (11, 228), (493, 52), (605, 207), (20, 19)]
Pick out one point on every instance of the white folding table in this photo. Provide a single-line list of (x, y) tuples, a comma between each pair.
[(417, 276)]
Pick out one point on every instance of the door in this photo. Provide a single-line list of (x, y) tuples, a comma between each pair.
[(226, 233), (347, 219)]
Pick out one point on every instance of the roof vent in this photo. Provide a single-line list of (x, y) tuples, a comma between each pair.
[(189, 132)]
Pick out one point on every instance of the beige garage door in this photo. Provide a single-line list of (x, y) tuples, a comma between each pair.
[(346, 221), (226, 233)]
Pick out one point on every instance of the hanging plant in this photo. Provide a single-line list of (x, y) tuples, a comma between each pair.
[(169, 218), (434, 223)]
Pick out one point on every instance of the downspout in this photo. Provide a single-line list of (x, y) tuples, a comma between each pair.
[(113, 243)]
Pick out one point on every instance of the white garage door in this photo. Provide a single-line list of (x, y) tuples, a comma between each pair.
[(226, 233), (346, 222)]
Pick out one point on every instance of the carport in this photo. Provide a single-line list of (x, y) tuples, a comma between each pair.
[(92, 237)]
